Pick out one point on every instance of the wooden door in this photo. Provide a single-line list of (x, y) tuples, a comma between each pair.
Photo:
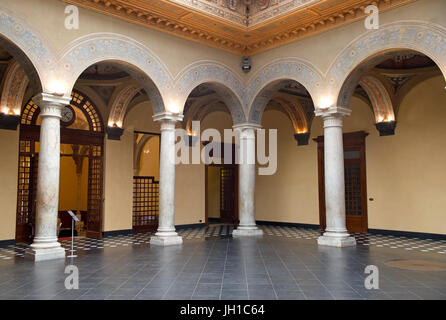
[(355, 182), (228, 194), (95, 187), (26, 195)]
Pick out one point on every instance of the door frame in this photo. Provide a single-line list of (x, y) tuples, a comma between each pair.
[(236, 183), (351, 141)]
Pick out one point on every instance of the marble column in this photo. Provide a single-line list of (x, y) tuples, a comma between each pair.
[(166, 234), (45, 245), (335, 234), (247, 182)]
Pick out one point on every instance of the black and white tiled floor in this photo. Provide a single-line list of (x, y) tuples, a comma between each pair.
[(374, 240), (285, 264)]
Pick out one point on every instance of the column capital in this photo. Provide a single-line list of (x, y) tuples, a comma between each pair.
[(168, 117), (51, 105), (247, 126), (51, 98), (337, 112)]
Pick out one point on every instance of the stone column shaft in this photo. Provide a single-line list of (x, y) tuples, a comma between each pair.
[(46, 245), (336, 232), (166, 234), (247, 182)]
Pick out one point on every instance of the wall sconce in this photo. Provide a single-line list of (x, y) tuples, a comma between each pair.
[(302, 138), (114, 133), (9, 121), (191, 140), (386, 128)]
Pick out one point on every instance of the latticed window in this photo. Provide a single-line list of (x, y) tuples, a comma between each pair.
[(145, 203), (78, 101)]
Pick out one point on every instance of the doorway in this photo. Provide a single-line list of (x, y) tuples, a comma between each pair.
[(355, 182), (221, 193), (81, 169), (145, 215)]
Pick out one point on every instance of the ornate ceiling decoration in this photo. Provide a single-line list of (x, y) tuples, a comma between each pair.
[(244, 27)]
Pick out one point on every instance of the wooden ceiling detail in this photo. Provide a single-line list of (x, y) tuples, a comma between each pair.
[(198, 26)]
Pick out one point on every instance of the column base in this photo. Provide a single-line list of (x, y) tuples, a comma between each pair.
[(41, 254), (339, 241), (247, 232), (166, 239)]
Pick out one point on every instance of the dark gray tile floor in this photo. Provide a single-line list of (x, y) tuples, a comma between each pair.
[(271, 267)]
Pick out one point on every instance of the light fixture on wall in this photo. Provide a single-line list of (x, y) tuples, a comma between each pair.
[(386, 127), (191, 139), (302, 138), (114, 132), (9, 119)]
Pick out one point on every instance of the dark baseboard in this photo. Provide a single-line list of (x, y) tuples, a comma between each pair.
[(193, 225), (289, 224), (215, 220), (4, 243), (124, 232), (409, 234)]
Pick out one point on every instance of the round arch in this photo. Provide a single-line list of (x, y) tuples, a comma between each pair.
[(29, 47), (218, 78), (264, 84), (133, 57), (370, 48)]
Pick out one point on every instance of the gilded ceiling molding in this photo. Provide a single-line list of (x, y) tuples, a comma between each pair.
[(15, 83), (131, 56), (381, 101), (29, 47), (217, 77), (204, 22), (272, 77), (161, 21), (369, 49)]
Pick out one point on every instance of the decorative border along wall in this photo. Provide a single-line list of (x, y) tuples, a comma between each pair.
[(37, 56), (427, 38), (245, 99), (261, 86), (222, 80)]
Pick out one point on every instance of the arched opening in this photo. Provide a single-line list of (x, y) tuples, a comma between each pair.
[(211, 106), (81, 168), (397, 101), (287, 106), (19, 81), (129, 98)]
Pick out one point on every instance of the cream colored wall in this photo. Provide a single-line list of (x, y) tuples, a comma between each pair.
[(9, 146), (190, 179), (68, 184), (405, 172), (118, 185), (150, 159), (214, 192), (291, 194)]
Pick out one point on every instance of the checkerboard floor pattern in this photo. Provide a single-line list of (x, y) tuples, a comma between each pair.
[(83, 244)]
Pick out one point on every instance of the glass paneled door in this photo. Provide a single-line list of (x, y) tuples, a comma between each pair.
[(355, 182)]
